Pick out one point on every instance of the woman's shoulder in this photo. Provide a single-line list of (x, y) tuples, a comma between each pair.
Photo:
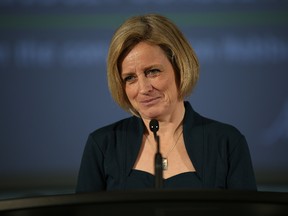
[(218, 127), (225, 135), (113, 134), (210, 125), (115, 127)]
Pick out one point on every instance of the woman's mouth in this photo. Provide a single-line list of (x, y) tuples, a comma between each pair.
[(150, 102)]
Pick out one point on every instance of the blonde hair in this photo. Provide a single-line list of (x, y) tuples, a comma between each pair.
[(155, 29)]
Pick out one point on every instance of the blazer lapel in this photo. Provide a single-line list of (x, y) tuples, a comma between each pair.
[(194, 139), (134, 135)]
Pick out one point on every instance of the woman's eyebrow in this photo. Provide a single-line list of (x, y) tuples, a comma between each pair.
[(153, 66)]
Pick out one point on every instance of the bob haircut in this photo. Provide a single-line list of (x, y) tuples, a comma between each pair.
[(158, 30)]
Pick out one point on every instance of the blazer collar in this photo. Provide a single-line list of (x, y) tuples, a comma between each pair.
[(193, 132), (135, 130)]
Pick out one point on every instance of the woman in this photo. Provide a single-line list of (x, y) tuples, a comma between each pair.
[(151, 70)]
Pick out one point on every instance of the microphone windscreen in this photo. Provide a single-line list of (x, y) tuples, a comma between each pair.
[(154, 125)]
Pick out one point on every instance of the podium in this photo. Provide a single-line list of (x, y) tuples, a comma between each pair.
[(148, 203)]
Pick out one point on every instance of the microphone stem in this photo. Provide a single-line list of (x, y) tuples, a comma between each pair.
[(158, 166)]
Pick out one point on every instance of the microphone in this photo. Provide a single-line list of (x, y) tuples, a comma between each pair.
[(154, 127)]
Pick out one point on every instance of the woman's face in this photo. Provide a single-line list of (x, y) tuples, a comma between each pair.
[(150, 82)]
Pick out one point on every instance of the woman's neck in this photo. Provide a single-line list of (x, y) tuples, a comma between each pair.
[(169, 125)]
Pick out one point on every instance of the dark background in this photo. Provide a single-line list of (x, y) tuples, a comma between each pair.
[(53, 87)]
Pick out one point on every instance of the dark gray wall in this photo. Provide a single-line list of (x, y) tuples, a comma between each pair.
[(53, 80)]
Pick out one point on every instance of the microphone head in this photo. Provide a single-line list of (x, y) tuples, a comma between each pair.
[(154, 125)]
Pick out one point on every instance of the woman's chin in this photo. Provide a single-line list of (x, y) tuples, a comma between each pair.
[(150, 115)]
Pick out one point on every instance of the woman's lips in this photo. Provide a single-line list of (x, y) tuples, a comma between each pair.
[(150, 102)]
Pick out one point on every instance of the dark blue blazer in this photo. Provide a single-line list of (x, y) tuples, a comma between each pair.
[(218, 151)]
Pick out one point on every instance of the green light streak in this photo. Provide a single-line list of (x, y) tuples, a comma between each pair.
[(111, 21)]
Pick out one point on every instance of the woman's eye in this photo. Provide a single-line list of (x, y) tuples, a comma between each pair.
[(152, 72), (129, 79)]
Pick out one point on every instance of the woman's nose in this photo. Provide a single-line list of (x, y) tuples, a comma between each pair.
[(144, 85)]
